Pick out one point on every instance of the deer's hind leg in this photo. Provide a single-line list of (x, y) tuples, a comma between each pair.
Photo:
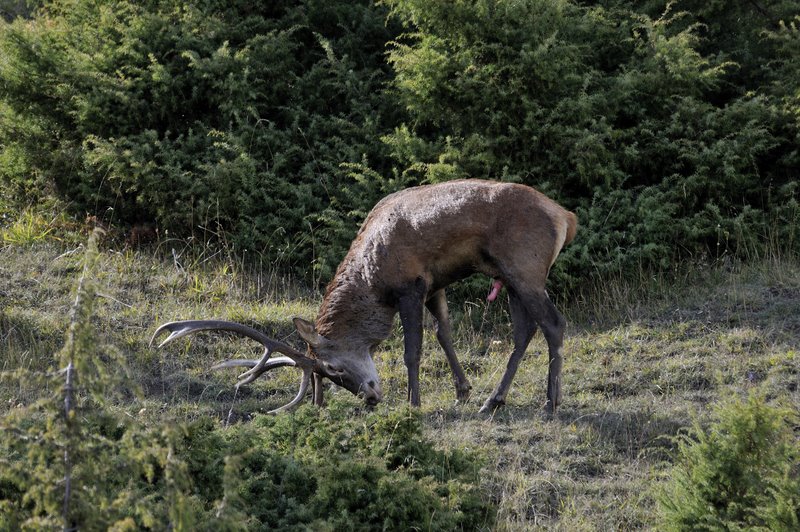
[(524, 329), (437, 305), (553, 325)]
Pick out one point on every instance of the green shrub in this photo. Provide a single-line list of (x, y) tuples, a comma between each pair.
[(69, 436), (669, 127), (372, 471), (219, 114), (665, 147), (742, 472), (329, 470)]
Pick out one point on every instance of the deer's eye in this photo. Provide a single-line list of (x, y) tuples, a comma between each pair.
[(335, 370)]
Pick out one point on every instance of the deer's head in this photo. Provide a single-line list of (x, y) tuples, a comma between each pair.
[(349, 367)]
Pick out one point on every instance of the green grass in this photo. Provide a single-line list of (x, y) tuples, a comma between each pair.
[(644, 357)]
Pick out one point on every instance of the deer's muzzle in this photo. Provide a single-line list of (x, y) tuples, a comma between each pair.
[(371, 392)]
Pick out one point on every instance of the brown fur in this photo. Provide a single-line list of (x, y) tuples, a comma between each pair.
[(417, 241)]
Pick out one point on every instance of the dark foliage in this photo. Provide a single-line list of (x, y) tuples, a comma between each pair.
[(671, 128)]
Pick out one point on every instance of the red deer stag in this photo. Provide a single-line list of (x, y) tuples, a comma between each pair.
[(411, 246)]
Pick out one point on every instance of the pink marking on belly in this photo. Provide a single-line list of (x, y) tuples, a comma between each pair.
[(495, 291)]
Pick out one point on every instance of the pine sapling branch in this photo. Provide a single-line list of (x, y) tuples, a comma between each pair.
[(68, 389)]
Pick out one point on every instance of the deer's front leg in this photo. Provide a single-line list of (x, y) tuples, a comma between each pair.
[(437, 305), (410, 308), (316, 387)]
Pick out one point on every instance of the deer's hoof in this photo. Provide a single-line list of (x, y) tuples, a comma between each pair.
[(550, 409), (462, 394), (491, 404)]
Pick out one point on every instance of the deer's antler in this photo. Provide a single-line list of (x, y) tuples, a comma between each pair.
[(293, 357)]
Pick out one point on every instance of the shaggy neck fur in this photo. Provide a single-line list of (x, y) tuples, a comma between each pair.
[(351, 311)]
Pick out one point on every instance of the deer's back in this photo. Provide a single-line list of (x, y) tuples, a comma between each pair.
[(447, 231)]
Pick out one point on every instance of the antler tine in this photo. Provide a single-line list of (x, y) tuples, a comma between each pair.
[(179, 329), (257, 367), (306, 379), (276, 362), (261, 366)]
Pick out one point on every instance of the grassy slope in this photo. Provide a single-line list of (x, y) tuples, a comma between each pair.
[(637, 369)]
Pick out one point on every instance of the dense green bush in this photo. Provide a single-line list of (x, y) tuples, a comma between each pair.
[(740, 473), (671, 128), (326, 469), (664, 148), (214, 114)]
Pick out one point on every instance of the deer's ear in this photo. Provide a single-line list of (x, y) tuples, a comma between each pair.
[(308, 333)]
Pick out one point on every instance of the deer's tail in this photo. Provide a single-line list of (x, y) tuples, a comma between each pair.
[(572, 227)]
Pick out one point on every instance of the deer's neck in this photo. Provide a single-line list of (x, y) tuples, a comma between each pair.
[(352, 309)]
